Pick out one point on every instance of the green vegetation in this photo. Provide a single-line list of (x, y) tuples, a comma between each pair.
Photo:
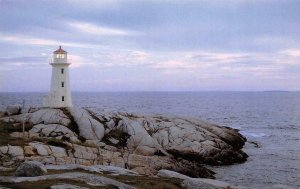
[(140, 182), (46, 184), (144, 182), (7, 128), (7, 173), (5, 138)]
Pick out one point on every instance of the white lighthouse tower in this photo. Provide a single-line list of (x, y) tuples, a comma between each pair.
[(60, 93)]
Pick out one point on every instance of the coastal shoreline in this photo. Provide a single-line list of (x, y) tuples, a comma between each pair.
[(83, 137)]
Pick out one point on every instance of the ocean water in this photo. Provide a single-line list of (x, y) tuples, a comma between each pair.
[(271, 119)]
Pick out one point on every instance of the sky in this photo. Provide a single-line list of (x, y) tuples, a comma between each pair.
[(152, 45)]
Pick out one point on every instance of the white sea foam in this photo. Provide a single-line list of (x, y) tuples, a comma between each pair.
[(253, 134)]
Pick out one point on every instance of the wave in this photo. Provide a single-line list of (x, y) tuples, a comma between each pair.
[(253, 134)]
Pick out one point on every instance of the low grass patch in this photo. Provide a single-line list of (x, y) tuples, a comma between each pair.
[(7, 173), (47, 183), (145, 182), (140, 182), (5, 138)]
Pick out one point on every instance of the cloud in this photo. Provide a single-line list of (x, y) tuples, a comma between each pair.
[(78, 61), (101, 30), (27, 62), (95, 4), (193, 60), (25, 59), (28, 40), (292, 52), (154, 44), (24, 40)]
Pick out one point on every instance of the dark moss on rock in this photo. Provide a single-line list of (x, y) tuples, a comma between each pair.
[(192, 169)]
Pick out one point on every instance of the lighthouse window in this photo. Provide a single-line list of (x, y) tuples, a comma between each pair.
[(62, 71), (63, 98), (60, 55), (62, 84)]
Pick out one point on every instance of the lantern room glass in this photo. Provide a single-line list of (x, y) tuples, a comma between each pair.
[(60, 56)]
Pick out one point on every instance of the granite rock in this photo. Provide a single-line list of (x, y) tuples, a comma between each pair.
[(89, 128), (66, 186), (127, 140), (198, 183), (52, 130), (90, 179), (49, 116), (41, 116), (30, 169), (13, 110)]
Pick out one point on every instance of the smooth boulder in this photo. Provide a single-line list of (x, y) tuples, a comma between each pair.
[(30, 169), (13, 110)]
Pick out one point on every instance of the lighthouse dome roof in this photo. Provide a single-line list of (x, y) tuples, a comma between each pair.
[(60, 51)]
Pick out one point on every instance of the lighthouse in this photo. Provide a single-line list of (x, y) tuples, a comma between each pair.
[(60, 93)]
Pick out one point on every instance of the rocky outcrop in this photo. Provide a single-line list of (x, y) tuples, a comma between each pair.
[(77, 154), (119, 143), (90, 179), (181, 137), (11, 155), (52, 130), (89, 128), (95, 168), (66, 186), (12, 110), (145, 144), (197, 183), (43, 116), (30, 169)]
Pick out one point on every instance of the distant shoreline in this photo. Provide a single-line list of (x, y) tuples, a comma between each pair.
[(266, 91)]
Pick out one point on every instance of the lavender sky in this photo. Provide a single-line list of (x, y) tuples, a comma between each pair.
[(152, 45)]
